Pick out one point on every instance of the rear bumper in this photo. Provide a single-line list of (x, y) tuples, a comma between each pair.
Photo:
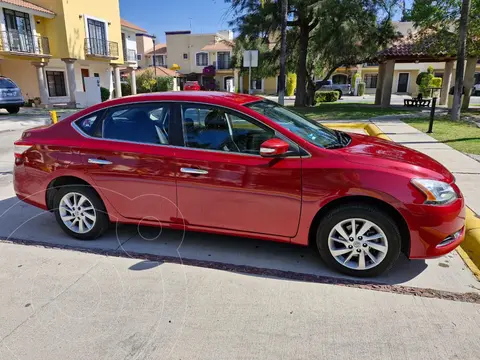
[(16, 102), (436, 230), (26, 189)]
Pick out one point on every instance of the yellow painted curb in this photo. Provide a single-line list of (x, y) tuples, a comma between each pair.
[(469, 249)]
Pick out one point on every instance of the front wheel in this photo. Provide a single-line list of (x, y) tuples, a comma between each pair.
[(358, 240), (13, 109), (80, 212)]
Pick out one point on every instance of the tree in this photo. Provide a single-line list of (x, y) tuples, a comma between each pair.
[(320, 35), (449, 26)]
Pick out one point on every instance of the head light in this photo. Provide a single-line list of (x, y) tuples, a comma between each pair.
[(437, 192)]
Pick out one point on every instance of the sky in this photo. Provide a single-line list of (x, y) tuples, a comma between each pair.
[(200, 16), (158, 16)]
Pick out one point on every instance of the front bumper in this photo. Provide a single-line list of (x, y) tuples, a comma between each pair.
[(16, 102), (435, 230)]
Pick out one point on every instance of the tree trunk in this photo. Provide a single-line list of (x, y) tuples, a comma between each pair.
[(301, 98), (329, 73), (461, 53), (283, 53)]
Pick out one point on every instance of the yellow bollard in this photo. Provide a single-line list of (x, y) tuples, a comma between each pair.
[(53, 116)]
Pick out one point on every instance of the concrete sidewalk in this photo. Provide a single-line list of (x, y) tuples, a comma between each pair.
[(465, 169), (59, 304)]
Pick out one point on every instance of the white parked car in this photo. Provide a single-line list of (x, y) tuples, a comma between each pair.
[(476, 89)]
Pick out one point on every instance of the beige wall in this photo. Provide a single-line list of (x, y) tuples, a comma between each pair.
[(191, 44), (144, 43)]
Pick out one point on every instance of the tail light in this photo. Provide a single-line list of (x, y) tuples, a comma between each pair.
[(19, 150)]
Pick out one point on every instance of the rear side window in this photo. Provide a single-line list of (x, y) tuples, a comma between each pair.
[(89, 124), (141, 123)]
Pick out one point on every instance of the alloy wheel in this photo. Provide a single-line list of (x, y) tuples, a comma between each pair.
[(358, 244), (77, 212)]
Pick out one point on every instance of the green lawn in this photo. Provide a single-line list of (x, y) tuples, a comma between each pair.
[(462, 135), (340, 111)]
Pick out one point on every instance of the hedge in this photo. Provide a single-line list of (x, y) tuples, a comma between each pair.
[(326, 96), (361, 88), (104, 94)]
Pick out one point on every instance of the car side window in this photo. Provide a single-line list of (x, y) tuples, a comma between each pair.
[(89, 123), (148, 124), (212, 128)]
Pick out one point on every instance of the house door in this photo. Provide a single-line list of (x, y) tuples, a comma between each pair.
[(403, 82), (85, 73), (97, 37), (19, 31)]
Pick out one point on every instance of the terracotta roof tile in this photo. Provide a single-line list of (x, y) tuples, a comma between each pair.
[(412, 46), (160, 49), (27, 5), (130, 25), (218, 46)]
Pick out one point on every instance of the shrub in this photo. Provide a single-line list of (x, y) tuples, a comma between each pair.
[(291, 83), (104, 94), (126, 89), (354, 80), (424, 81), (361, 88), (436, 82), (325, 96), (146, 82), (164, 84)]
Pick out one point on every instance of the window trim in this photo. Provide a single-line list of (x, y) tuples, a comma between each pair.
[(139, 57), (371, 75), (87, 30), (201, 52), (263, 85), (176, 113)]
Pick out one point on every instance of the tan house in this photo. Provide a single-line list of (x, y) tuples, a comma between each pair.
[(48, 47), (196, 54)]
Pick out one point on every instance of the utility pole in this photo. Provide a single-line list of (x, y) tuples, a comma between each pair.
[(154, 60), (461, 55), (283, 52)]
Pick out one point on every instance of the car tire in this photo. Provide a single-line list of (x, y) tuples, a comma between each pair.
[(379, 245), (80, 212), (13, 109)]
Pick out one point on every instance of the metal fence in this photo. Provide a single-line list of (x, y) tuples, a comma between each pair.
[(101, 47), (17, 41)]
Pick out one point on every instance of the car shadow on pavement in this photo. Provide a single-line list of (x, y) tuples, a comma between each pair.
[(20, 222)]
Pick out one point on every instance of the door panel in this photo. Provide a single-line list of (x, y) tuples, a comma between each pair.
[(240, 192), (234, 187), (132, 163), (403, 82)]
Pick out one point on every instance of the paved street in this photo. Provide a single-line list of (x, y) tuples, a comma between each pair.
[(205, 296)]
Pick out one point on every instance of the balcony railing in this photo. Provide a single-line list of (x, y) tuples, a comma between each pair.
[(130, 55), (101, 48), (22, 42), (224, 64)]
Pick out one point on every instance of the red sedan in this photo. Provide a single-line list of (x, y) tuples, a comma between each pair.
[(245, 166), (191, 86)]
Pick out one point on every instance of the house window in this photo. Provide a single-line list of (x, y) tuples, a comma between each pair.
[(97, 37), (371, 81), (202, 59), (139, 57), (160, 60), (439, 74), (19, 32), (56, 83), (185, 56), (257, 84), (223, 60)]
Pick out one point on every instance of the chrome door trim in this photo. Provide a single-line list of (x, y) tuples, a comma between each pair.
[(193, 171)]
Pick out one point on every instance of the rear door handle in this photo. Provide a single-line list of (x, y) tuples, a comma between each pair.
[(99, 162), (193, 171)]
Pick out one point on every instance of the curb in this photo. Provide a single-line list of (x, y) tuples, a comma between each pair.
[(469, 249)]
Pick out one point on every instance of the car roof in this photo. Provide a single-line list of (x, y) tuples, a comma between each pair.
[(215, 97)]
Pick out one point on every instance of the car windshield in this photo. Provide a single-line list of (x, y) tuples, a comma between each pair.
[(7, 84), (307, 129)]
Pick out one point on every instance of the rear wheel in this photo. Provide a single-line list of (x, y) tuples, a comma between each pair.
[(358, 240), (80, 212), (13, 109)]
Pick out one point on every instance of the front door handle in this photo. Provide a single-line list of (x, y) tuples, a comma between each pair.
[(99, 162), (193, 171)]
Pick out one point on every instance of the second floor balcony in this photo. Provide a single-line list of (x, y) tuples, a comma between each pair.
[(101, 48), (24, 44), (129, 56)]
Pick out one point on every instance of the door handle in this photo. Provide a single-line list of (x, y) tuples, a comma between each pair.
[(99, 162), (193, 171)]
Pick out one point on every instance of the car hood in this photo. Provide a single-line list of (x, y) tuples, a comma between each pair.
[(371, 150)]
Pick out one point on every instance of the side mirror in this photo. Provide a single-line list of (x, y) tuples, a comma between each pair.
[(273, 147)]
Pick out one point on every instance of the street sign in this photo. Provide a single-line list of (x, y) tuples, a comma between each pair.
[(250, 58)]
